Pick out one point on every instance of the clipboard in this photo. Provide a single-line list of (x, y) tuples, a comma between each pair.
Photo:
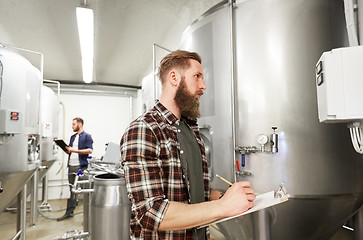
[(61, 144), (262, 201)]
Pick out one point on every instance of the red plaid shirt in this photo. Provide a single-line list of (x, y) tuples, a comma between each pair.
[(150, 155)]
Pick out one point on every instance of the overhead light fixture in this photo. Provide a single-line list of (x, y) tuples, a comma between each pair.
[(86, 38)]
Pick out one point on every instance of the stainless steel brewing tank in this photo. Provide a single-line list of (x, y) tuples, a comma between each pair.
[(19, 95), (110, 208), (49, 114), (49, 128), (276, 46)]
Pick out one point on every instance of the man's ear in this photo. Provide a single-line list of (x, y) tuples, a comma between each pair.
[(173, 77)]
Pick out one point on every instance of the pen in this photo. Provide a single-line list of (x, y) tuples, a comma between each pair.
[(224, 180)]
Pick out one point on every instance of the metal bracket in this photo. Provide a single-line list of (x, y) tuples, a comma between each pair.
[(281, 192)]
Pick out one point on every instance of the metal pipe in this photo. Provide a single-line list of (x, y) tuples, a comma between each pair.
[(1, 78), (131, 106), (34, 198), (75, 182), (63, 153), (96, 85), (351, 23), (82, 181), (154, 64), (21, 215), (73, 234), (159, 46), (58, 85), (92, 90), (231, 18), (83, 190), (31, 51), (100, 162), (45, 188), (59, 185), (360, 21), (17, 235)]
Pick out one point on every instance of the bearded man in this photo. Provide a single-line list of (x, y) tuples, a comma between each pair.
[(165, 165), (80, 146)]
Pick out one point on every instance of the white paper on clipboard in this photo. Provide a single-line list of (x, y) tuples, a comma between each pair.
[(262, 201)]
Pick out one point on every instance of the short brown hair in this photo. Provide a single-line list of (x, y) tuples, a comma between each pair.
[(178, 59), (78, 119)]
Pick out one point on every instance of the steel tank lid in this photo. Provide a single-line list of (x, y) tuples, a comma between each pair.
[(8, 53), (108, 178)]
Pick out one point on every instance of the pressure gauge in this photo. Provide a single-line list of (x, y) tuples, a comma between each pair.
[(262, 139)]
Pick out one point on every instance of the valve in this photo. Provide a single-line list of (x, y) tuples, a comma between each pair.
[(274, 139)]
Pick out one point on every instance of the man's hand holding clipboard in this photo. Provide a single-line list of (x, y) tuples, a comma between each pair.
[(62, 145)]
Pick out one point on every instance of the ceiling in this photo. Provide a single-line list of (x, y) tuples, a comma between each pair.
[(125, 31)]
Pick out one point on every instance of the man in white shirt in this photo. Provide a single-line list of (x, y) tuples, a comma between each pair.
[(80, 145)]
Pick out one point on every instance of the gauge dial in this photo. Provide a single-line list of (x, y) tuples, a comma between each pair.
[(262, 139)]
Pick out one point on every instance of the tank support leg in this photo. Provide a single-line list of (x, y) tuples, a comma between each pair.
[(34, 199), (21, 216)]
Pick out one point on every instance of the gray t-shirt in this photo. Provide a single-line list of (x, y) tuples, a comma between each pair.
[(191, 158)]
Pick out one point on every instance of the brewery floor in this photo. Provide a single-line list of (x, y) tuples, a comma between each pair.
[(48, 228)]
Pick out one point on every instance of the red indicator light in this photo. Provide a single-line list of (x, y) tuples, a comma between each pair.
[(14, 114), (14, 118)]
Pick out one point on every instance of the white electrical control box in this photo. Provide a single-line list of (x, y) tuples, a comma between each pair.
[(10, 121), (339, 82)]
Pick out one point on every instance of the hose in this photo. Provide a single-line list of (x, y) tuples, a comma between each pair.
[(59, 210), (356, 136)]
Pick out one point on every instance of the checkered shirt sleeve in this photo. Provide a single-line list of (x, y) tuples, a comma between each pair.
[(144, 183)]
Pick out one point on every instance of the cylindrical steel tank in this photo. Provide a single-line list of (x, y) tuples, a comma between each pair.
[(110, 208), (19, 124), (49, 114), (271, 52), (49, 128)]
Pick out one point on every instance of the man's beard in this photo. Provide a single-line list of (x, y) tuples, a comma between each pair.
[(187, 103), (76, 129)]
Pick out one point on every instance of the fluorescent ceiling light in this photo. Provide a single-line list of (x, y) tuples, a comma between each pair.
[(87, 70), (86, 39)]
